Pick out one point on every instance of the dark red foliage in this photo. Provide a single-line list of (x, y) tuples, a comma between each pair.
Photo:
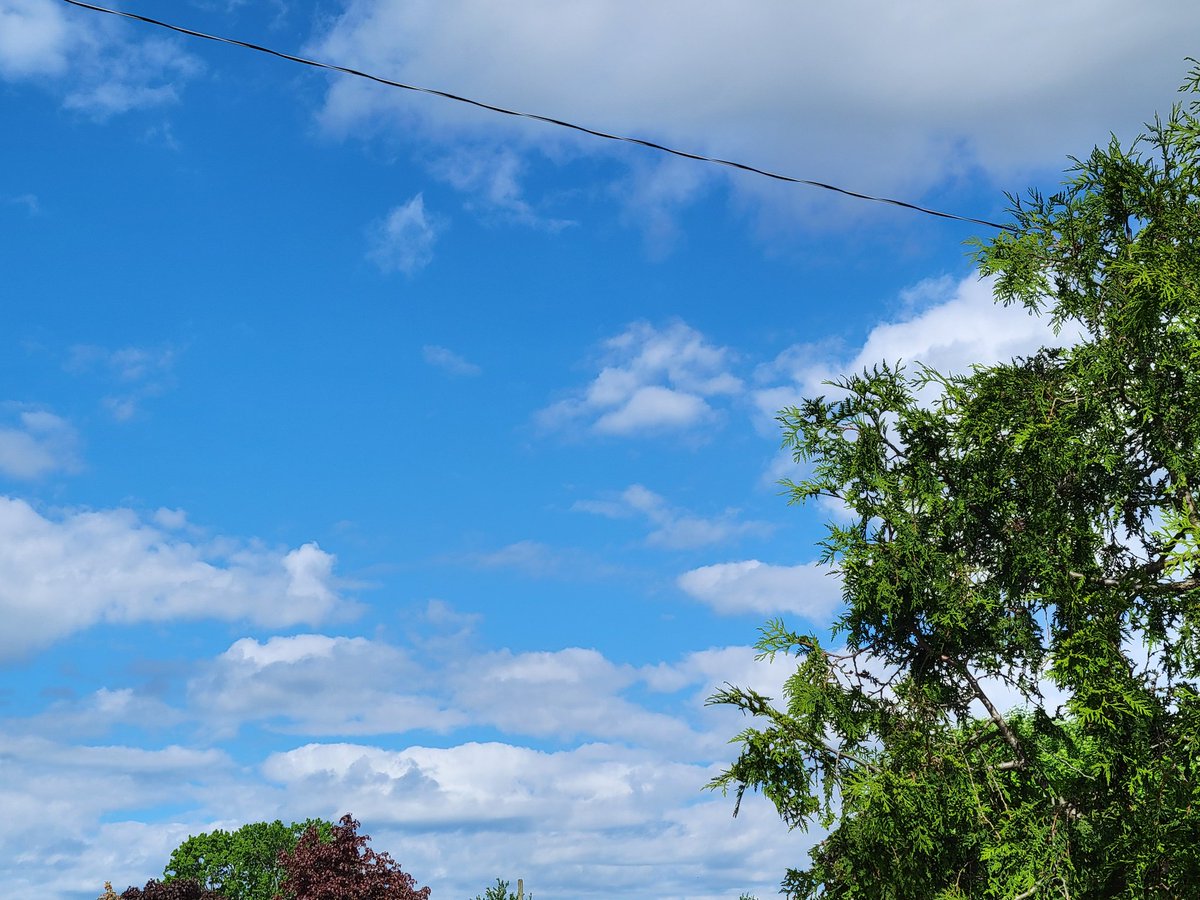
[(178, 889), (343, 868)]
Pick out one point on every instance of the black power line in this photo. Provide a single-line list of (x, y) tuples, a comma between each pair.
[(547, 119)]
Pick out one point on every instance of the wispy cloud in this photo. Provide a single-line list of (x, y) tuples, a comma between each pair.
[(540, 560), (135, 374), (672, 527), (652, 197), (449, 361), (403, 240), (36, 444), (491, 178), (97, 70), (29, 202), (651, 380)]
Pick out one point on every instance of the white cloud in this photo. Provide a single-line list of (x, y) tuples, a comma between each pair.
[(949, 325), (854, 93), (570, 693), (961, 325), (707, 671), (653, 195), (135, 373), (64, 573), (542, 561), (100, 712), (33, 39), (126, 364), (118, 78), (587, 822), (493, 176), (533, 557), (403, 241), (651, 380), (38, 444), (295, 684), (29, 202), (97, 69), (672, 527), (448, 360), (77, 794), (625, 812), (809, 590), (653, 407)]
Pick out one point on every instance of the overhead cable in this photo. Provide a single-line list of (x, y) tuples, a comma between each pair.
[(743, 167)]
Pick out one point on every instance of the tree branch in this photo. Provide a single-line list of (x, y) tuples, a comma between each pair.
[(1175, 587)]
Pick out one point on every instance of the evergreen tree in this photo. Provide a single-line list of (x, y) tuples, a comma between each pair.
[(1038, 525)]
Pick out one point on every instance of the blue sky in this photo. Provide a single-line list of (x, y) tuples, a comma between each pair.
[(361, 451)]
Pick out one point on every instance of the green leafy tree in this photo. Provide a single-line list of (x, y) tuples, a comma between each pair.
[(242, 864), (1039, 524)]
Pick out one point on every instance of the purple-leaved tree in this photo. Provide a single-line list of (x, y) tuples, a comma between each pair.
[(343, 868)]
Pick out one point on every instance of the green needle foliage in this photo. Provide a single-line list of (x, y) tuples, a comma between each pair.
[(1036, 523)]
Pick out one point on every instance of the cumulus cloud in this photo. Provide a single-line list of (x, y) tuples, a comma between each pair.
[(809, 590), (93, 64), (672, 527), (37, 444), (100, 712), (570, 693), (63, 573), (448, 361), (828, 93), (295, 684), (651, 380), (91, 780), (78, 793), (403, 240), (478, 783), (585, 822), (623, 788), (949, 325)]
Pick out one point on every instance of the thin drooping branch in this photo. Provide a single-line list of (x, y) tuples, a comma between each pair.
[(1006, 731)]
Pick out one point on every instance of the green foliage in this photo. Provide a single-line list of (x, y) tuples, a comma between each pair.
[(242, 864), (499, 891), (1039, 523)]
